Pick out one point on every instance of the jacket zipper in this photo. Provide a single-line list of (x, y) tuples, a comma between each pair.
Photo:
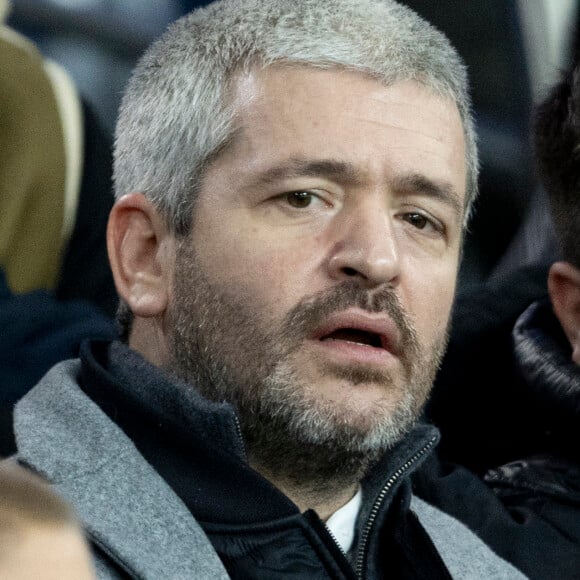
[(330, 533), (361, 556), (240, 438)]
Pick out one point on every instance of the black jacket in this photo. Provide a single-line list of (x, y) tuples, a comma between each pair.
[(507, 402)]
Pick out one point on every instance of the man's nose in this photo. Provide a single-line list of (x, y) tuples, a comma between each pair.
[(366, 248)]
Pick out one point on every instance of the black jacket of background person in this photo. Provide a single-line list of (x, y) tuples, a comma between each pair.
[(507, 403), (36, 332)]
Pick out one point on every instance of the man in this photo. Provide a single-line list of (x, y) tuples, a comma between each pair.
[(292, 182), (39, 535), (557, 136), (532, 388), (55, 180), (546, 336), (54, 206)]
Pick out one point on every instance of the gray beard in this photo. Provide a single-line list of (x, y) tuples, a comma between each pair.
[(226, 348)]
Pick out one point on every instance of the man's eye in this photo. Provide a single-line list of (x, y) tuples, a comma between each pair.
[(300, 199), (416, 219)]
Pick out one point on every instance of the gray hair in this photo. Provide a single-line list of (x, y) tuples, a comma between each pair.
[(175, 116)]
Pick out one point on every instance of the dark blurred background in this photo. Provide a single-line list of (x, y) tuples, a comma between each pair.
[(514, 50)]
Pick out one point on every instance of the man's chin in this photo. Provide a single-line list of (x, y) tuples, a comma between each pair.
[(319, 441), (358, 395), (359, 419)]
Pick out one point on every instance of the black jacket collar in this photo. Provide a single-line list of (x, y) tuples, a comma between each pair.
[(543, 356)]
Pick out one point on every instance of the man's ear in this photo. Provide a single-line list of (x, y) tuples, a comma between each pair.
[(141, 252), (564, 289)]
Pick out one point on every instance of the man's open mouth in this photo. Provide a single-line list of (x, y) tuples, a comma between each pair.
[(359, 328), (355, 336)]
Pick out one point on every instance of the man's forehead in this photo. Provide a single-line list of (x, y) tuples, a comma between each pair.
[(248, 84), (261, 97), (269, 104)]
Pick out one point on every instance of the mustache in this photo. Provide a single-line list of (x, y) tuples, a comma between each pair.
[(309, 314)]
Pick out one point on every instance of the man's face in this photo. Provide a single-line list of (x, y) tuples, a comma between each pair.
[(315, 287)]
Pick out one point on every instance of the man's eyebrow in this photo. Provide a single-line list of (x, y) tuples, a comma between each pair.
[(441, 190), (335, 170), (346, 173)]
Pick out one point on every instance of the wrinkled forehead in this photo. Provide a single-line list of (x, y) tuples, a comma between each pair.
[(276, 91), (296, 110)]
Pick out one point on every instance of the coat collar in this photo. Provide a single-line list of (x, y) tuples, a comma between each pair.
[(126, 508), (544, 359)]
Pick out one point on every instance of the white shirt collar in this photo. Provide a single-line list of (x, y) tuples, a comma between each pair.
[(342, 522)]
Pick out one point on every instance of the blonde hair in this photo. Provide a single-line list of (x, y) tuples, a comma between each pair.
[(26, 500)]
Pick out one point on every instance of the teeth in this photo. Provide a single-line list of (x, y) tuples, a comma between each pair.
[(356, 336), (350, 342)]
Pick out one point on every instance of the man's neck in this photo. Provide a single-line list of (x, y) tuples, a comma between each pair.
[(323, 500)]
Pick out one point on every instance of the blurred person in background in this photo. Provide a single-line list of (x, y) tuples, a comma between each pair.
[(55, 194), (293, 183), (541, 350), (55, 179), (527, 373), (40, 537), (557, 143)]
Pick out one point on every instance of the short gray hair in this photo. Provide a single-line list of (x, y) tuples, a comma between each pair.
[(174, 118)]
